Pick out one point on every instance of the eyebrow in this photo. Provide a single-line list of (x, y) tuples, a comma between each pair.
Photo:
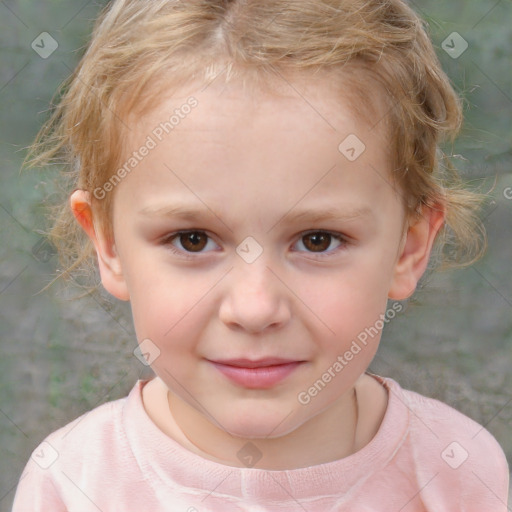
[(311, 214), (319, 214)]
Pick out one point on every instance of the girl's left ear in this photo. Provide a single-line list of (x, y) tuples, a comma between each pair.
[(415, 252), (108, 260)]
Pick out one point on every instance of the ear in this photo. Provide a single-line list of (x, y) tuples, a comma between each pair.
[(108, 260), (415, 251)]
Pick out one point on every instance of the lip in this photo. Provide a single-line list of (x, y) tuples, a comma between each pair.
[(260, 374), (256, 363)]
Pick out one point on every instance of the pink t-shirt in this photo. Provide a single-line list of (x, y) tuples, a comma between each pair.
[(425, 456)]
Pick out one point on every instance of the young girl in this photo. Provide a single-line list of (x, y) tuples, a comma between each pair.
[(259, 179)]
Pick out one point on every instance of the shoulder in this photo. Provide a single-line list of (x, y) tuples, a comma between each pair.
[(93, 440), (446, 423), (457, 453), (91, 428)]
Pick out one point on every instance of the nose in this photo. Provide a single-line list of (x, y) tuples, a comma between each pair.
[(254, 298)]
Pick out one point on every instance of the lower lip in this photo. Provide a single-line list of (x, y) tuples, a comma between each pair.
[(257, 378)]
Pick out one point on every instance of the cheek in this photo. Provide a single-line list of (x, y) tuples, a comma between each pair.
[(169, 306), (173, 321), (351, 296), (349, 306)]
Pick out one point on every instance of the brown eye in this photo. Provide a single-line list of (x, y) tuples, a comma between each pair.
[(319, 241), (189, 244), (193, 241)]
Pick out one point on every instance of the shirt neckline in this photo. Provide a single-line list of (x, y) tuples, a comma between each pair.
[(165, 462)]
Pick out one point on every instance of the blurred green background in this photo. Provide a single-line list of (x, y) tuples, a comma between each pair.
[(61, 358)]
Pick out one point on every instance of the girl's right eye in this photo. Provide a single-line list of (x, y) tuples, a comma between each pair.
[(191, 241)]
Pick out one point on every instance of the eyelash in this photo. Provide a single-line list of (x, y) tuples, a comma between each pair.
[(190, 255)]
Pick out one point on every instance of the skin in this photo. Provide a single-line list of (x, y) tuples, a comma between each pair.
[(249, 162)]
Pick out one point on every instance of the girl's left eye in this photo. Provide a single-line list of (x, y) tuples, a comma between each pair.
[(322, 240), (194, 241)]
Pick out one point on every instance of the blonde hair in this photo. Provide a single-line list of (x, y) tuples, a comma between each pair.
[(139, 49)]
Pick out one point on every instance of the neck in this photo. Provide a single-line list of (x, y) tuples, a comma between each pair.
[(330, 435)]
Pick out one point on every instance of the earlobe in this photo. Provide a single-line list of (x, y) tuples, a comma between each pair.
[(108, 260), (415, 252)]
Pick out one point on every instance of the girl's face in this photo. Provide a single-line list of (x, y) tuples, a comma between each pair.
[(294, 245)]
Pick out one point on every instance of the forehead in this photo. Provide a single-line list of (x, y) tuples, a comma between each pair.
[(328, 94), (241, 143)]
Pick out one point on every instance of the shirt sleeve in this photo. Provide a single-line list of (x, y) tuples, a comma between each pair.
[(487, 484), (467, 469), (36, 490)]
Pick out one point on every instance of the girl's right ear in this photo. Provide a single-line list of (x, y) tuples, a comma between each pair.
[(108, 260)]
